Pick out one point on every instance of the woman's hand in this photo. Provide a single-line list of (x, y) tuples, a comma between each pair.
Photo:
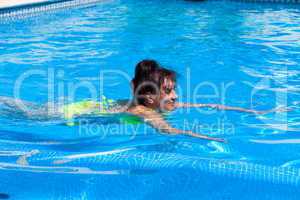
[(280, 109)]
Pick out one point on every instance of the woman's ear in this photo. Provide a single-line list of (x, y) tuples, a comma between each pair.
[(149, 99)]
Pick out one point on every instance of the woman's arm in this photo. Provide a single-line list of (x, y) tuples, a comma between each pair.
[(223, 107), (158, 122)]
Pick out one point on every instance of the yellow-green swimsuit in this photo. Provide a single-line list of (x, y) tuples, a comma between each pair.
[(95, 108)]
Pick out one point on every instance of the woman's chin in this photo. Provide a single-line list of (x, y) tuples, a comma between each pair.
[(169, 107)]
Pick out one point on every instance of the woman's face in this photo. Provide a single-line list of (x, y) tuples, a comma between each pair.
[(167, 98)]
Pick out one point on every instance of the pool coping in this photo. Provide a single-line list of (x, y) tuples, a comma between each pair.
[(40, 6), (10, 4)]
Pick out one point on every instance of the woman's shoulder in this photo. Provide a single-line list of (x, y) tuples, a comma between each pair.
[(120, 106)]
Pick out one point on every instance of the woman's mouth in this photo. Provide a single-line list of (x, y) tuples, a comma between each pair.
[(171, 102)]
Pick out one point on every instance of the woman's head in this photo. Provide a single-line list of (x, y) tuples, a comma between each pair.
[(154, 86)]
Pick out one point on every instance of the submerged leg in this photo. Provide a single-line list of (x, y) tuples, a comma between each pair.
[(14, 107), (17, 108), (12, 102)]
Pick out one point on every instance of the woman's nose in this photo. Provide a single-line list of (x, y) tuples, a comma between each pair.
[(174, 95)]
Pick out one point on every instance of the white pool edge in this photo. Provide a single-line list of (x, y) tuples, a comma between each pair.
[(6, 4)]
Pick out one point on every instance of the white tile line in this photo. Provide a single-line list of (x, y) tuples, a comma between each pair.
[(8, 14), (14, 3)]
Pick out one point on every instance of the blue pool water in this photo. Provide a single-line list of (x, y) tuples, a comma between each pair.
[(239, 54)]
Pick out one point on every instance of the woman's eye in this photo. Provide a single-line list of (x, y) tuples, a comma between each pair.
[(168, 90)]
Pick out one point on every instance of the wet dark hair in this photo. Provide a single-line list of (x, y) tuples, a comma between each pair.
[(143, 70), (149, 79), (164, 74)]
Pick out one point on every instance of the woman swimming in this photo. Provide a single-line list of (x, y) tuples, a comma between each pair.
[(153, 94)]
